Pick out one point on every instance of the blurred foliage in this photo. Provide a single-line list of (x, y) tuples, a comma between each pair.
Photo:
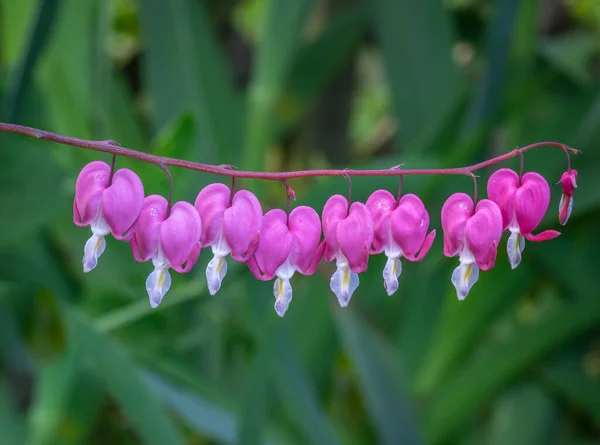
[(281, 85)]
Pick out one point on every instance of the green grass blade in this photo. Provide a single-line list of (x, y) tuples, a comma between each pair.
[(186, 72), (480, 380), (114, 366), (425, 83), (280, 38), (524, 415), (380, 380)]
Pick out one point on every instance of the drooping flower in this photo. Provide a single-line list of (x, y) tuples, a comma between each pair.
[(348, 237), (400, 230), (170, 240), (569, 184), (287, 245), (105, 207), (229, 226), (472, 235), (523, 203)]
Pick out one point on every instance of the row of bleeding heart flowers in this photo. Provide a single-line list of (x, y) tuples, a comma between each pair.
[(277, 244)]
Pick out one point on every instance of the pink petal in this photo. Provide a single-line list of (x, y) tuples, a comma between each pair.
[(564, 208), (335, 209), (501, 188), (241, 225), (305, 226), (381, 204), (457, 209), (569, 182), (122, 202), (531, 201), (410, 222), (275, 243), (424, 248), (180, 233), (544, 236), (146, 234), (355, 235), (211, 203), (483, 232), (91, 183)]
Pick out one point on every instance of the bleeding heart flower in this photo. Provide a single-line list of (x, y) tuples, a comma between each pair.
[(230, 226), (400, 231), (287, 245), (348, 237), (472, 235), (569, 184), (105, 207), (171, 241), (523, 203)]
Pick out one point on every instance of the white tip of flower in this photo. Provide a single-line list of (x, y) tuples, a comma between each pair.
[(343, 283), (564, 208), (282, 289), (391, 272), (157, 285), (514, 248), (94, 247), (463, 278), (215, 272)]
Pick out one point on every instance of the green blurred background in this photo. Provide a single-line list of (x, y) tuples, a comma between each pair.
[(283, 85)]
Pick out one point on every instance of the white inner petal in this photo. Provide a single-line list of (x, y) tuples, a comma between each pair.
[(286, 270), (220, 246), (343, 282), (282, 289), (99, 226), (514, 247), (157, 285), (464, 277), (94, 247), (391, 272), (215, 272)]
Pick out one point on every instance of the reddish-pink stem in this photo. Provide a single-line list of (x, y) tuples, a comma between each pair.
[(113, 148)]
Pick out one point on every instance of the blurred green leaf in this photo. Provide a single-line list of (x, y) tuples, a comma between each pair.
[(380, 380), (282, 27), (566, 376), (299, 395), (51, 395), (198, 413), (12, 424), (463, 323), (123, 381), (479, 380), (318, 62), (19, 81), (425, 83), (572, 54), (524, 415), (200, 84)]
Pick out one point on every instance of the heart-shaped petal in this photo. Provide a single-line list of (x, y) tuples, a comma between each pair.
[(410, 222), (531, 201), (457, 209), (122, 202), (91, 183), (211, 203), (180, 234), (305, 226), (483, 232), (501, 188), (275, 243), (334, 210), (381, 204), (355, 235), (241, 225), (145, 240)]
